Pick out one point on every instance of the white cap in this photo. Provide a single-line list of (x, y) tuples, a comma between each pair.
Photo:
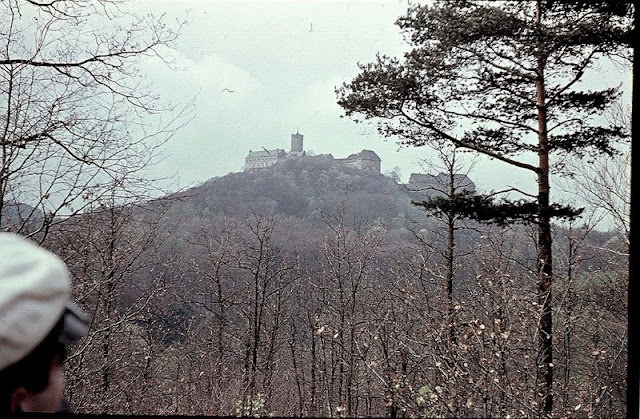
[(35, 290)]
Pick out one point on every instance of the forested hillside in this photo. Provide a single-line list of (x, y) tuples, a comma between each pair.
[(302, 188), (318, 291)]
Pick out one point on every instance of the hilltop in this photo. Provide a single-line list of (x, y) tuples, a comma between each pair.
[(303, 188), (295, 184)]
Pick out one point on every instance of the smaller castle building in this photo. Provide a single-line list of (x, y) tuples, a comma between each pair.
[(438, 184), (365, 160), (263, 158)]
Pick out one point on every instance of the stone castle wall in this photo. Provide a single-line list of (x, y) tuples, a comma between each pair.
[(263, 158), (365, 160), (439, 183)]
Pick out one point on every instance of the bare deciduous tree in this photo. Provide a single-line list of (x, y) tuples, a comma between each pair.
[(113, 255), (76, 118)]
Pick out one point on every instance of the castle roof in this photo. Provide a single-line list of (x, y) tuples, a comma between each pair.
[(266, 153), (365, 154), (460, 180)]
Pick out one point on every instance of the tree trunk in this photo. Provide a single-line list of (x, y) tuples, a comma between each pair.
[(545, 272)]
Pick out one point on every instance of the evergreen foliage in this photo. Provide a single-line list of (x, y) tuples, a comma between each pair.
[(484, 208), (502, 79)]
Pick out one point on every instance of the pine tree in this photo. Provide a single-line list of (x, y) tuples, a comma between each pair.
[(502, 79)]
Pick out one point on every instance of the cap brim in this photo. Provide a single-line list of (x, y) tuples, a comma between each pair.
[(76, 324)]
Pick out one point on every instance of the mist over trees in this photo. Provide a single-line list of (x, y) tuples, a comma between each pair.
[(308, 289)]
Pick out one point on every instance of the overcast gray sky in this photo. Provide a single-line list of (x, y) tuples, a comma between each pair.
[(261, 70)]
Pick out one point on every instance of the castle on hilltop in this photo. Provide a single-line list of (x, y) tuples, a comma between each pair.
[(365, 160)]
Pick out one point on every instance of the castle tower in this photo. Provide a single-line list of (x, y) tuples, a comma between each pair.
[(296, 144)]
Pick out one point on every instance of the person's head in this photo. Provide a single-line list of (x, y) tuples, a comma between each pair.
[(37, 323)]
